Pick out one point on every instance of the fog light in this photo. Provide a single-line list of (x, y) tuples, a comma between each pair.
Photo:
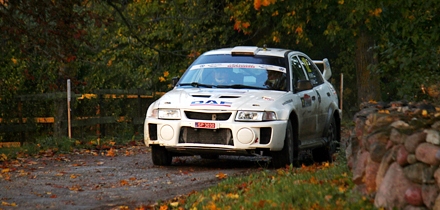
[(245, 135), (166, 132)]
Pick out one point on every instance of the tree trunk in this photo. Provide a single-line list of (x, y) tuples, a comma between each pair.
[(368, 83)]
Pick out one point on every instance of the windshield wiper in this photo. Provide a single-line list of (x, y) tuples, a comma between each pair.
[(238, 86), (196, 84)]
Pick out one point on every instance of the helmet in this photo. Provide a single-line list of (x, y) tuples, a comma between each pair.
[(221, 76)]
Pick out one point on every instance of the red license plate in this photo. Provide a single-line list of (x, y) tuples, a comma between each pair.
[(207, 125)]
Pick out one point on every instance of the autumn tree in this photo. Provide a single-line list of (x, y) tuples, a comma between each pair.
[(153, 41), (385, 49), (370, 41)]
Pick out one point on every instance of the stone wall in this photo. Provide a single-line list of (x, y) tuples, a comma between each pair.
[(394, 154)]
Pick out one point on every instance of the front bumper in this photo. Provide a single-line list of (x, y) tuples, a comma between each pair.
[(229, 137)]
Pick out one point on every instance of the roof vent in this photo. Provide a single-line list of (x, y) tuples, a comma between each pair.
[(244, 50)]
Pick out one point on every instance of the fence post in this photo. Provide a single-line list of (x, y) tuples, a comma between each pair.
[(69, 128)]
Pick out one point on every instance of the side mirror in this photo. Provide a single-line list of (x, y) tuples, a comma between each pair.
[(303, 85), (175, 81), (327, 70)]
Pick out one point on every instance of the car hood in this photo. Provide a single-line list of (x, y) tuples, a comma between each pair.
[(225, 99)]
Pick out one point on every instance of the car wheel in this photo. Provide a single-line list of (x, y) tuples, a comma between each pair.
[(161, 156), (289, 154), (209, 156), (325, 154)]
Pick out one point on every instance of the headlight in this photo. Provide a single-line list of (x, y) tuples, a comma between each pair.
[(167, 113), (255, 116), (152, 113)]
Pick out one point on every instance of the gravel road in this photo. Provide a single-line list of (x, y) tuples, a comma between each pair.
[(122, 177)]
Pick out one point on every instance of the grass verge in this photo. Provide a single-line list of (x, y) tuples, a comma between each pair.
[(317, 186)]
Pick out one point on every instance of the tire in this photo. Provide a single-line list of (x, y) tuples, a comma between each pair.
[(209, 156), (289, 154), (161, 156), (325, 154)]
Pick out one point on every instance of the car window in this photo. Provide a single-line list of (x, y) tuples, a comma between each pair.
[(312, 71), (297, 70), (193, 75), (235, 75)]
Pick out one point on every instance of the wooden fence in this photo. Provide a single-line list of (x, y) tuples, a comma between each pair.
[(91, 113)]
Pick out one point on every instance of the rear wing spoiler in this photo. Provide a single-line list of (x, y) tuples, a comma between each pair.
[(327, 72)]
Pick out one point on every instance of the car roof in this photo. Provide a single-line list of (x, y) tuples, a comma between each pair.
[(277, 52)]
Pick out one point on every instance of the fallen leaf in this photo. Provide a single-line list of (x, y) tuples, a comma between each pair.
[(261, 203), (123, 182), (73, 176), (328, 197), (342, 189), (23, 173), (3, 157), (32, 163), (76, 188), (6, 177), (313, 180), (111, 153), (211, 205), (4, 203), (384, 111), (221, 175), (231, 195)]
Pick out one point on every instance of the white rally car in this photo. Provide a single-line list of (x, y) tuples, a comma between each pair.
[(247, 101)]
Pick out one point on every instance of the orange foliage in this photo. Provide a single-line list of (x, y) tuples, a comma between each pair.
[(237, 25), (193, 54), (299, 30), (376, 12), (259, 3)]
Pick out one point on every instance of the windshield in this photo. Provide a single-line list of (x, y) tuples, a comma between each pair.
[(235, 75)]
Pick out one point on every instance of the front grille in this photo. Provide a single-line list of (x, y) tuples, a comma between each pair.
[(221, 136), (207, 116)]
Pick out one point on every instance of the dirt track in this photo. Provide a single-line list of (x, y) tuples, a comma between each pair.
[(103, 180)]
